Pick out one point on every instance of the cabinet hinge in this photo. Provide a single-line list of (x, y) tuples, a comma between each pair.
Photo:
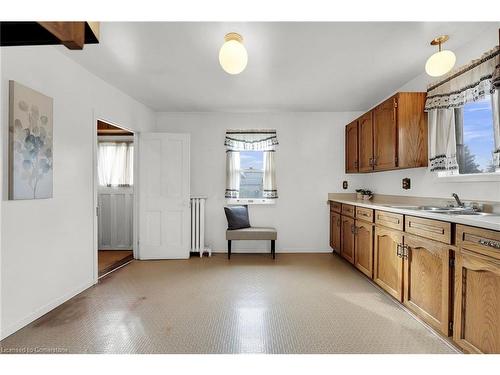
[(450, 326), (396, 160), (395, 104), (452, 262)]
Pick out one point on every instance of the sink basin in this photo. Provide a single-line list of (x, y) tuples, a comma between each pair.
[(445, 210)]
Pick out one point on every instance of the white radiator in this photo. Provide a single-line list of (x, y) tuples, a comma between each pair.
[(198, 226)]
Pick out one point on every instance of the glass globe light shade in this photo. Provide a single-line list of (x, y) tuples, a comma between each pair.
[(440, 63), (233, 56)]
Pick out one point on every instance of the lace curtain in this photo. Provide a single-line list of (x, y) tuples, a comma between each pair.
[(115, 164), (250, 140), (495, 106), (232, 174), (270, 190), (464, 85)]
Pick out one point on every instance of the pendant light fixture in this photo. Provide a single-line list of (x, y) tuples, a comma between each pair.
[(441, 62), (233, 55)]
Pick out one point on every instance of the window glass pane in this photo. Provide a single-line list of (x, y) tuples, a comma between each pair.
[(251, 178), (477, 150), (115, 163)]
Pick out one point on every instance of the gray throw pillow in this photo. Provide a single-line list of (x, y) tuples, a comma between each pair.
[(237, 217)]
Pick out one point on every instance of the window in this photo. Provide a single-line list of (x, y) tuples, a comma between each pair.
[(250, 166), (251, 174), (474, 137), (115, 164)]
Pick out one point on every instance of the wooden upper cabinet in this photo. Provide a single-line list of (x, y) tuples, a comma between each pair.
[(365, 142), (393, 135), (385, 135), (412, 130), (351, 147)]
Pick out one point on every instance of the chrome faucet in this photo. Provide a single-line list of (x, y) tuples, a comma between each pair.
[(459, 202)]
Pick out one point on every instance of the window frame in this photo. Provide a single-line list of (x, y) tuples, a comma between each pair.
[(472, 177), (466, 177), (250, 201)]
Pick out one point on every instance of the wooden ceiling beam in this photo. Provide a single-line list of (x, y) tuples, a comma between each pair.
[(71, 34), (30, 33)]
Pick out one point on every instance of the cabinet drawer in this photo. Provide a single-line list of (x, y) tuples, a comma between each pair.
[(432, 229), (389, 219), (348, 210), (365, 214), (482, 241), (336, 207)]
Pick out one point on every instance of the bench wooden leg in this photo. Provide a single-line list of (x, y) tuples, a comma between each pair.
[(228, 249), (273, 249)]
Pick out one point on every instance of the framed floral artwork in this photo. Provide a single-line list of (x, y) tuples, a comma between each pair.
[(30, 143)]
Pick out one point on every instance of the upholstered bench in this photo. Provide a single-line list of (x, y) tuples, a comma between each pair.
[(252, 233)]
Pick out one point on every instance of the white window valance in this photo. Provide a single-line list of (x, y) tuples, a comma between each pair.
[(466, 84), (251, 140)]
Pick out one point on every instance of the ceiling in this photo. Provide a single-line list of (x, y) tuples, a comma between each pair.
[(292, 66)]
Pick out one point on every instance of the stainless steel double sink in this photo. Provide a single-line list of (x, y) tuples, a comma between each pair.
[(444, 210)]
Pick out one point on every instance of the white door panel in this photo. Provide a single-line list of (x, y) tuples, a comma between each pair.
[(164, 225)]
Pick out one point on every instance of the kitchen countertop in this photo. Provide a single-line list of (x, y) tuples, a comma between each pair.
[(383, 203)]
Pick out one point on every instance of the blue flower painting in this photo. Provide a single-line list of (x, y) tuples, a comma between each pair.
[(31, 156)]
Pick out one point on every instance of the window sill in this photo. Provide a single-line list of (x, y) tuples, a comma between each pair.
[(480, 177), (250, 201)]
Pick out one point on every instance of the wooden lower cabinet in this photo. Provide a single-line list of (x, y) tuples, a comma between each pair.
[(462, 301), (477, 303), (335, 227), (388, 266), (427, 281), (363, 247), (347, 239)]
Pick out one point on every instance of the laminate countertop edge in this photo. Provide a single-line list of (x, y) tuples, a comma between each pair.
[(486, 222)]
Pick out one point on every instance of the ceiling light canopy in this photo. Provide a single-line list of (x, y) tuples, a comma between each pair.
[(441, 62), (233, 55)]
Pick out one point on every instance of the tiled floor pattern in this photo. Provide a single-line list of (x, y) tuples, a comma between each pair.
[(299, 303)]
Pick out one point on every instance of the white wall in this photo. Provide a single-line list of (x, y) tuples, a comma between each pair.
[(309, 164), (47, 245), (424, 183)]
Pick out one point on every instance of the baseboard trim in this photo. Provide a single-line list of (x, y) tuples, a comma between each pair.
[(13, 328)]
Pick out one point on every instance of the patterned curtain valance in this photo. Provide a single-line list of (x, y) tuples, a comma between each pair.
[(251, 140), (466, 84)]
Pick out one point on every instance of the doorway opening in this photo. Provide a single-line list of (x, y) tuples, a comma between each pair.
[(115, 197)]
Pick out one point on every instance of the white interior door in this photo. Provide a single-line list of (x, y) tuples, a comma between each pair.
[(164, 222)]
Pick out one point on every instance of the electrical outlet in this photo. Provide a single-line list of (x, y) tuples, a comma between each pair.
[(406, 183), (344, 185)]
